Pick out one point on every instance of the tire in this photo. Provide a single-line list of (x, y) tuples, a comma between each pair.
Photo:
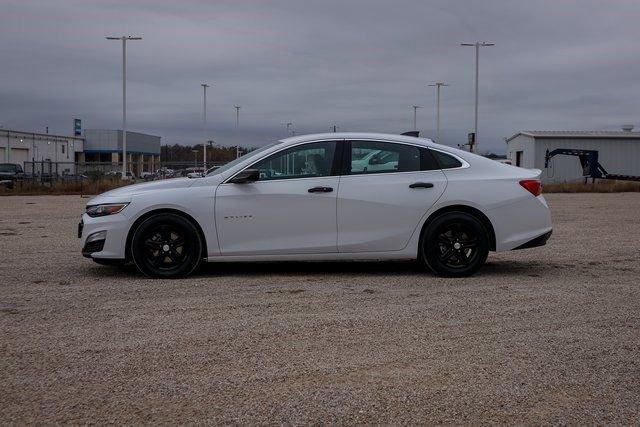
[(454, 244), (167, 246)]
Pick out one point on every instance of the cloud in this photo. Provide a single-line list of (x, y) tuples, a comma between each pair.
[(357, 64)]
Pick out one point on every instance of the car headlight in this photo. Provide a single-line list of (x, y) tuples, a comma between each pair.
[(106, 209)]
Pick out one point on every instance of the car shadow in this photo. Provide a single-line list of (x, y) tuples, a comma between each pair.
[(498, 268), (318, 268)]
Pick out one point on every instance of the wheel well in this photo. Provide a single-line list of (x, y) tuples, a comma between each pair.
[(159, 211), (470, 210)]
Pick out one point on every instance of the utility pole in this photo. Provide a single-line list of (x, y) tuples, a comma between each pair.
[(195, 158), (415, 115), (237, 107), (477, 45), (124, 40), (438, 85), (204, 126)]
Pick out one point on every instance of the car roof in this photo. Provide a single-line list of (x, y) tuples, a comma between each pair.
[(358, 135)]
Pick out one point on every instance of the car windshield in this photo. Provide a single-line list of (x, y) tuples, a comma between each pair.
[(227, 166), (7, 167)]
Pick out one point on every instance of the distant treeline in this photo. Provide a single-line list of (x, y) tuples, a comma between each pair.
[(184, 153)]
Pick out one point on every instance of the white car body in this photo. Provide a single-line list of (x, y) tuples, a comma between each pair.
[(371, 216)]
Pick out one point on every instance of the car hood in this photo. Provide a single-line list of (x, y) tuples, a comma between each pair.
[(165, 184)]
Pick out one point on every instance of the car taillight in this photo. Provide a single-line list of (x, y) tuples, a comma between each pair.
[(533, 186)]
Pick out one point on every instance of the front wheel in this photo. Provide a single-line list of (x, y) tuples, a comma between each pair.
[(454, 244), (166, 246)]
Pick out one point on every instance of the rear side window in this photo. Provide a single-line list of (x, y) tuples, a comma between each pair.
[(427, 161), (383, 157), (446, 161)]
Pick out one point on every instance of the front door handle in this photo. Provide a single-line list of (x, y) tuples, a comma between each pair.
[(421, 185), (320, 190)]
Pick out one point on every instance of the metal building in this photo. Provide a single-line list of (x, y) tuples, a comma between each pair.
[(20, 147), (105, 146), (618, 152)]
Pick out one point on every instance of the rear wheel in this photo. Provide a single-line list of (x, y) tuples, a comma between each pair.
[(454, 244), (166, 246)]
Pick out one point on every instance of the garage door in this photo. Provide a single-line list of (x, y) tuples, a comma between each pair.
[(3, 153), (19, 156)]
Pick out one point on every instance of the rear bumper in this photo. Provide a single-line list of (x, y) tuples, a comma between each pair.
[(534, 243), (521, 224)]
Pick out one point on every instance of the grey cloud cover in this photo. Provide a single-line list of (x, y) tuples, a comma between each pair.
[(357, 64)]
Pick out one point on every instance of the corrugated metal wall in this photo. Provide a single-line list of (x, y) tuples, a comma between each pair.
[(111, 140), (617, 156), (525, 144)]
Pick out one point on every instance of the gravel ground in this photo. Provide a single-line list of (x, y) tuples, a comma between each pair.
[(547, 335)]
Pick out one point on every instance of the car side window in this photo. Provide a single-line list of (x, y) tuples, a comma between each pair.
[(303, 161), (383, 157), (446, 161)]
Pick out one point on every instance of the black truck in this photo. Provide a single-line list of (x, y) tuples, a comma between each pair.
[(10, 173)]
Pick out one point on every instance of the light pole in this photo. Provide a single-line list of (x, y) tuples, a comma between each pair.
[(237, 107), (204, 125), (415, 115), (195, 158), (477, 45), (124, 99), (438, 85)]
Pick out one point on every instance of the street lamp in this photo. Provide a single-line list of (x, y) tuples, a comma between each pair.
[(438, 85), (204, 125), (237, 107), (415, 115), (124, 40), (477, 45), (195, 158)]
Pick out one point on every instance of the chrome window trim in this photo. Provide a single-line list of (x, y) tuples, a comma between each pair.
[(464, 163)]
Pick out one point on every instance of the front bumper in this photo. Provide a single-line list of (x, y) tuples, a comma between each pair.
[(112, 244)]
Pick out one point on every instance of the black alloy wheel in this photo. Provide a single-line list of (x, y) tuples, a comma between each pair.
[(455, 244), (166, 246)]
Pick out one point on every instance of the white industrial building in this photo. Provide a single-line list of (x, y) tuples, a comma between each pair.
[(20, 147), (618, 152), (97, 148)]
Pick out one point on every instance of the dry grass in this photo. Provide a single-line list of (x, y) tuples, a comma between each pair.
[(29, 188), (598, 187)]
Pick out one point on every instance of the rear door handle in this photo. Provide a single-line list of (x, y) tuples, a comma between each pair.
[(320, 190), (421, 185)]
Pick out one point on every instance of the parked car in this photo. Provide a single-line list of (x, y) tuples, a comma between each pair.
[(194, 172), (119, 175), (10, 173), (375, 160), (307, 198), (147, 176)]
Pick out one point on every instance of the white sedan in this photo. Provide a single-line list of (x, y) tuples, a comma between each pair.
[(309, 198)]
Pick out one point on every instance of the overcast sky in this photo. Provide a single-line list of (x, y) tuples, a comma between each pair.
[(360, 65)]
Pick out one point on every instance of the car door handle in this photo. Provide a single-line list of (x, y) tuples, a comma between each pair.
[(421, 185), (320, 190)]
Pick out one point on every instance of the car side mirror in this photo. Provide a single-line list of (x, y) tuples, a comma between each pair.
[(247, 175)]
